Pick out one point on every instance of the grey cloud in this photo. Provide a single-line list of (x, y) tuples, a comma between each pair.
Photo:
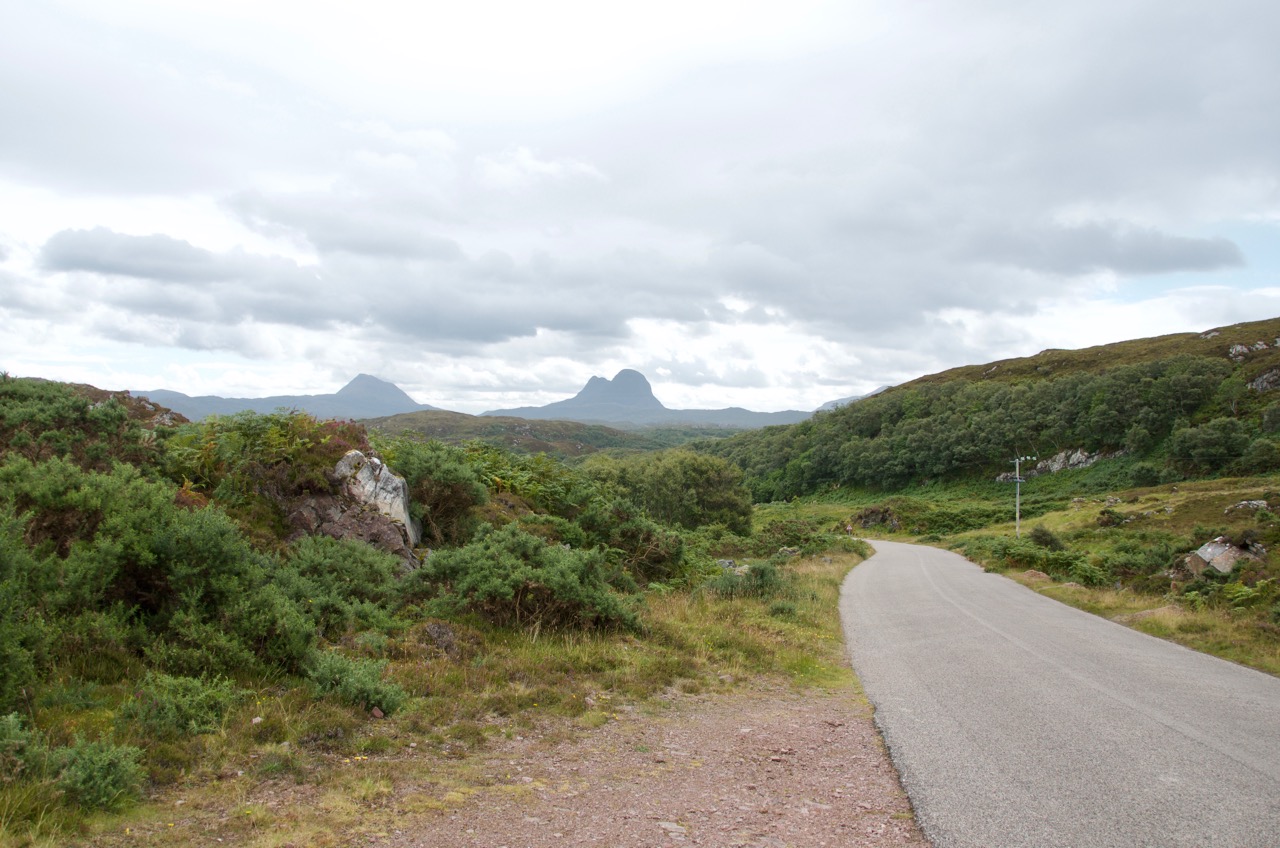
[(1096, 246), (153, 257), (333, 223)]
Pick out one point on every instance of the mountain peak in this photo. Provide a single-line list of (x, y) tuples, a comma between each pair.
[(367, 384), (628, 388)]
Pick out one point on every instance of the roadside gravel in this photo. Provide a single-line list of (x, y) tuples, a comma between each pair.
[(765, 766)]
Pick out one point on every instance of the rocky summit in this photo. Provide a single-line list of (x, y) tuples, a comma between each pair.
[(628, 399)]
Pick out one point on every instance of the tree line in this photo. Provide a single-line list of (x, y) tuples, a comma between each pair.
[(1191, 414)]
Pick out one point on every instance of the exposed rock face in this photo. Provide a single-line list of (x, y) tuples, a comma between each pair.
[(1266, 381), (341, 518), (1220, 555), (370, 483), (372, 505), (1062, 461)]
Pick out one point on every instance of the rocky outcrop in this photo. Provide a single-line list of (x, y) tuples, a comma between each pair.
[(371, 504), (1266, 381), (1061, 461), (1220, 555), (370, 483)]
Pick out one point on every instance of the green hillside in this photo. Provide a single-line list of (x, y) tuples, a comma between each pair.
[(1184, 405), (563, 439)]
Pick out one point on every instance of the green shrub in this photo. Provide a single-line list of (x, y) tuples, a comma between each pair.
[(167, 706), (758, 580), (645, 549), (341, 583), (99, 775), (1045, 538), (358, 682), (443, 487), (19, 747), (514, 578)]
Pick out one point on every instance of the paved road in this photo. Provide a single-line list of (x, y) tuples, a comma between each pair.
[(1017, 721)]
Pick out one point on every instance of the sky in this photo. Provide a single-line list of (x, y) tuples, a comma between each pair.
[(754, 203)]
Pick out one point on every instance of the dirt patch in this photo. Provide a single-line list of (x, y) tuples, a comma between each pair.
[(765, 767)]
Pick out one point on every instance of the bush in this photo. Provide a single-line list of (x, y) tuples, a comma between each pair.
[(514, 578), (358, 682), (18, 748), (341, 583), (99, 775), (1045, 538), (648, 551), (758, 580), (167, 706), (443, 487)]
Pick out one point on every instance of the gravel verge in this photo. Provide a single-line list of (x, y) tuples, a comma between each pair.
[(764, 766)]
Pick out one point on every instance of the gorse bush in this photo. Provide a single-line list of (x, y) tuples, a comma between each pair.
[(41, 420), (758, 580), (341, 584), (444, 487), (165, 705), (99, 775), (358, 682), (94, 775), (515, 578)]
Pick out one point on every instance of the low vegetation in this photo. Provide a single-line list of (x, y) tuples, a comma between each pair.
[(169, 639), (164, 629)]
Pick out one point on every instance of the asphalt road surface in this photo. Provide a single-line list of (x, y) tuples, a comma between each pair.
[(1017, 721)]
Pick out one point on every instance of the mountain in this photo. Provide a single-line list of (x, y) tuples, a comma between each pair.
[(363, 397), (628, 399), (836, 404)]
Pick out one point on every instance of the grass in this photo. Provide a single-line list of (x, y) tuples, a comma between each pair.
[(1233, 635), (286, 769), (1177, 518)]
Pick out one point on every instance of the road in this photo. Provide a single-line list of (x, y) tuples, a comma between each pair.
[(1018, 721)]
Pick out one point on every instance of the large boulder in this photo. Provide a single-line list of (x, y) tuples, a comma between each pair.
[(371, 504), (367, 481), (1220, 555)]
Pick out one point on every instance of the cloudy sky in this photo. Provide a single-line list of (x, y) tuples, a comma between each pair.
[(755, 203)]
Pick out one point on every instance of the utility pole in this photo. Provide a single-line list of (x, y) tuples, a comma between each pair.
[(1017, 493)]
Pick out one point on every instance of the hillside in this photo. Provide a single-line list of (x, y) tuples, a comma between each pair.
[(1256, 341), (1187, 404), (559, 438)]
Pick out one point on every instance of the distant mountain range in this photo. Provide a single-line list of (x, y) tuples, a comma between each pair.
[(363, 397), (625, 401), (628, 399)]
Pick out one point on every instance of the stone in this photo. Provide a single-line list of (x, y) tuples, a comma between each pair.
[(1266, 381), (370, 483), (1220, 555), (342, 518), (1250, 505)]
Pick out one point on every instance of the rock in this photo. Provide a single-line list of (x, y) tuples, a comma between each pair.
[(1220, 555), (726, 564), (1266, 381), (878, 516), (370, 483), (371, 504), (342, 518), (788, 552), (1251, 505)]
